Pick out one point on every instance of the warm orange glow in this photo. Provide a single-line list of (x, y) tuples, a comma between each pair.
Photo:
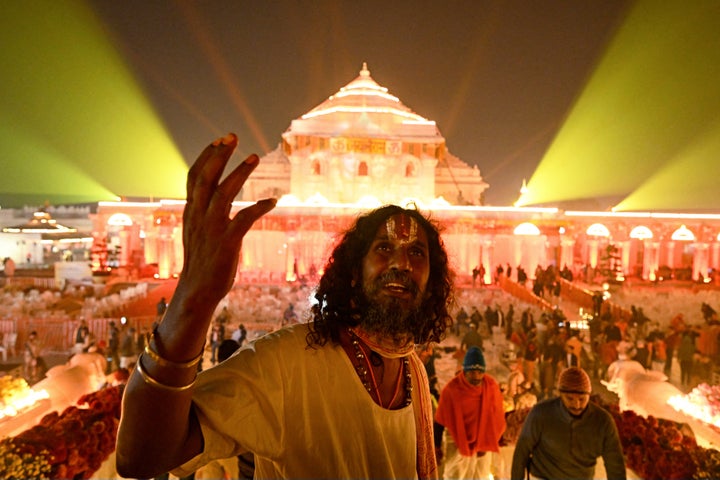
[(683, 234), (697, 406), (526, 228), (15, 404), (598, 230), (120, 220), (662, 215), (641, 233)]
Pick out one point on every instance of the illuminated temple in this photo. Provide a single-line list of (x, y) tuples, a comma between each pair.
[(361, 148)]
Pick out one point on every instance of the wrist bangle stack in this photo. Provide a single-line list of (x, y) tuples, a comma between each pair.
[(163, 362), (154, 383)]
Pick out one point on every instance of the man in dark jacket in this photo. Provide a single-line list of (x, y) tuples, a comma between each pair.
[(564, 436)]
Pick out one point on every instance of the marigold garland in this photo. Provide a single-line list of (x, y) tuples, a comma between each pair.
[(71, 444)]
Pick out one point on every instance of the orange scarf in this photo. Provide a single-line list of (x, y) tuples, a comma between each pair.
[(474, 415), (421, 399)]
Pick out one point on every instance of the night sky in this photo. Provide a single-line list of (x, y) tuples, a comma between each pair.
[(498, 77)]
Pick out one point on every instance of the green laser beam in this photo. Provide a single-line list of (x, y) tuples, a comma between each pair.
[(654, 94), (66, 87)]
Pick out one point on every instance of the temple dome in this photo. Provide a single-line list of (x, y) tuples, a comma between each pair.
[(363, 107)]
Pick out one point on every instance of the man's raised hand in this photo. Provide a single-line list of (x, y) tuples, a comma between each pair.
[(212, 239)]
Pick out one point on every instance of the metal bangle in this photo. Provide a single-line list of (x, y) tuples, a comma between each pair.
[(154, 383), (163, 362)]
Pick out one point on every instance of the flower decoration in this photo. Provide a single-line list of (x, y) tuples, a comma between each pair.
[(514, 421), (71, 444), (703, 403)]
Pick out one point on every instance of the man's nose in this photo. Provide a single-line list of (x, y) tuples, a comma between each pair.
[(400, 260)]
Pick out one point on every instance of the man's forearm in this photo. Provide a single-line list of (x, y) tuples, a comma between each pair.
[(158, 430)]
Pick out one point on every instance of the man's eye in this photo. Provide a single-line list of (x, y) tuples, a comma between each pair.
[(417, 252), (383, 247)]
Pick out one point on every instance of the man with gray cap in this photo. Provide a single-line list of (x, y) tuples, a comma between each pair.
[(563, 437), (471, 409)]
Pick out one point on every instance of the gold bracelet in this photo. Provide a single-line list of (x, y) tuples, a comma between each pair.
[(163, 362), (154, 383)]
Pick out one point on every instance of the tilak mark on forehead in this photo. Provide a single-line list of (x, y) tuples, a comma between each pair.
[(402, 227)]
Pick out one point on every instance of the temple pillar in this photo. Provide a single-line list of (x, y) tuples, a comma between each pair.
[(471, 254), (151, 248), (567, 246), (486, 256), (124, 236), (534, 252), (291, 260), (700, 261), (670, 254), (624, 248), (517, 252), (462, 246), (592, 253), (651, 260), (165, 251)]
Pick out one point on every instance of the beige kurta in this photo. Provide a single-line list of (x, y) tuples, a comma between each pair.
[(303, 412)]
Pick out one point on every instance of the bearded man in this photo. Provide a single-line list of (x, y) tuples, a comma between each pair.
[(343, 396), (563, 437)]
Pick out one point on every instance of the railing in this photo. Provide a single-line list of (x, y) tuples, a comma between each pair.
[(568, 291), (584, 298), (56, 333), (25, 282), (522, 293)]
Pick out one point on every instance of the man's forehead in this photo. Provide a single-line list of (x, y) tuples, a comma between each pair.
[(573, 395), (402, 227)]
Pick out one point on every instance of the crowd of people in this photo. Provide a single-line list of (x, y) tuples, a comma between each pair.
[(674, 332), (334, 388), (387, 291)]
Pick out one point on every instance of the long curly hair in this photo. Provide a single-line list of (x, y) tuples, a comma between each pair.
[(339, 293)]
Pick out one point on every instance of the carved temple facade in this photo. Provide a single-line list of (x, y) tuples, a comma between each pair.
[(294, 240), (362, 148)]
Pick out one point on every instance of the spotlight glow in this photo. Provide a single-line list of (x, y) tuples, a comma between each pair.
[(649, 111), (74, 114)]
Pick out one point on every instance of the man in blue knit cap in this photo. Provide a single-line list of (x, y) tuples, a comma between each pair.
[(471, 410)]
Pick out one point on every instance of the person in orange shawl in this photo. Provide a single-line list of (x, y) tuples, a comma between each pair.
[(471, 410)]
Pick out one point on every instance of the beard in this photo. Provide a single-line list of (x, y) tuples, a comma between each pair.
[(393, 317)]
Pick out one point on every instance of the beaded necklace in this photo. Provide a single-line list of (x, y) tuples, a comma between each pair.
[(367, 377)]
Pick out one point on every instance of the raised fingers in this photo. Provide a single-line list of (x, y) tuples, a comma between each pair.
[(245, 218), (227, 190), (205, 173)]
